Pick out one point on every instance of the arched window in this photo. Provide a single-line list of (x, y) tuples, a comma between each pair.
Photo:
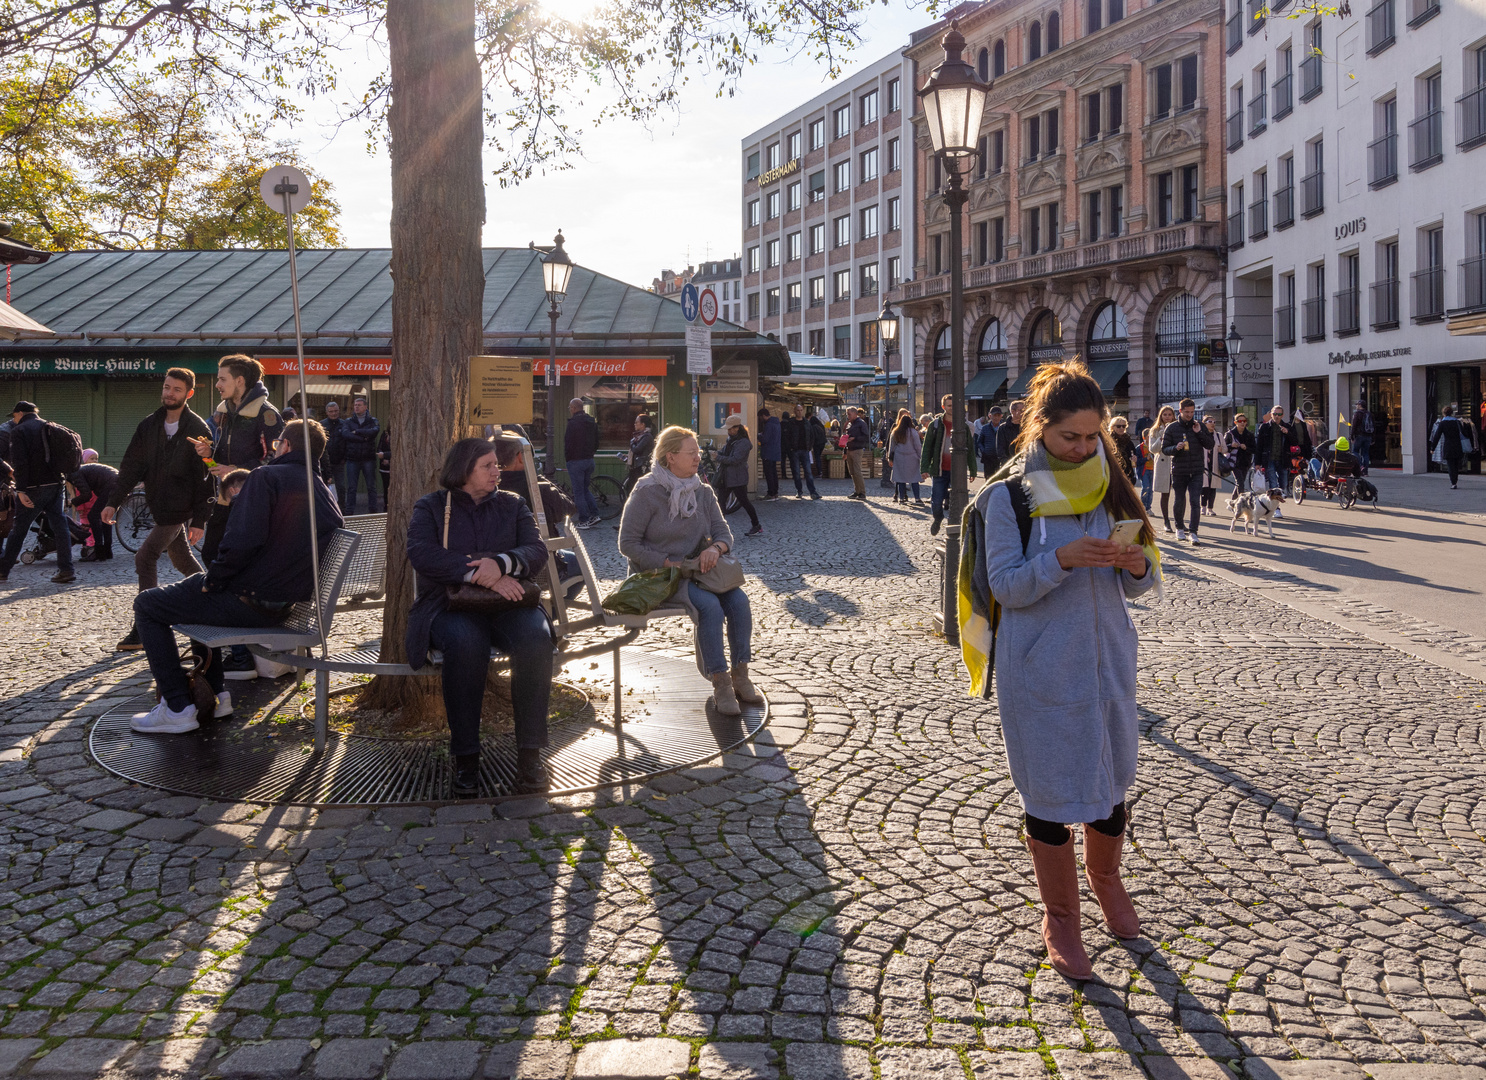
[(998, 59), (1179, 327), (942, 349), (992, 349), (983, 65), (1053, 31), (1034, 38), (1094, 16), (1109, 334), (1047, 331)]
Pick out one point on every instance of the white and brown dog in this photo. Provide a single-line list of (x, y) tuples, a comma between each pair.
[(1252, 508)]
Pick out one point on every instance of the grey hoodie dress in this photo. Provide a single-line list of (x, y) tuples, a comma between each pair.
[(1065, 666)]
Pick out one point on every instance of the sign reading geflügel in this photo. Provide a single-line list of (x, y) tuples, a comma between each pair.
[(500, 390)]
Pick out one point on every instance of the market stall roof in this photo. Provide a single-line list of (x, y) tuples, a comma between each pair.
[(15, 325), (895, 379), (240, 299), (825, 369)]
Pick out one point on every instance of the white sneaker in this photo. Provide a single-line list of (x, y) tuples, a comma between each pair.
[(1192, 539), (162, 720), (224, 705), (1181, 534)]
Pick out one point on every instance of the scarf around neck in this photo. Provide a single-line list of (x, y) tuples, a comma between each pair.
[(683, 493)]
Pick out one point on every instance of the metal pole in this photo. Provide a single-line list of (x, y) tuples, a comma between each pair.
[(549, 463), (286, 189), (955, 198)]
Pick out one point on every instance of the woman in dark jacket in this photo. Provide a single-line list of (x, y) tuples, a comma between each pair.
[(492, 540), (641, 446), (818, 440), (1119, 432), (732, 463)]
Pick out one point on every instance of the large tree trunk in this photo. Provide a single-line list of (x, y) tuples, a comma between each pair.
[(438, 209)]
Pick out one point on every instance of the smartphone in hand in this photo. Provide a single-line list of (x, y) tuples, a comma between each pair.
[(1126, 531)]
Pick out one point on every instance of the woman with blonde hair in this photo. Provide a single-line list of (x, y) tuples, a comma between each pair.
[(671, 516), (1161, 471), (1066, 646)]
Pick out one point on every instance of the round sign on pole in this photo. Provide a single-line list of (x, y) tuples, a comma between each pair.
[(689, 299), (707, 307), (275, 180)]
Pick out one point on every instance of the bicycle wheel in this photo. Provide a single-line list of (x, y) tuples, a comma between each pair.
[(608, 496), (133, 522), (1297, 489)]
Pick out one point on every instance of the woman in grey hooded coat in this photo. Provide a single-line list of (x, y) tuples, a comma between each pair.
[(1066, 648)]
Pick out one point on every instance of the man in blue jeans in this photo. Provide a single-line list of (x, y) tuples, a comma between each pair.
[(1185, 442), (39, 490), (579, 443), (358, 434), (797, 449)]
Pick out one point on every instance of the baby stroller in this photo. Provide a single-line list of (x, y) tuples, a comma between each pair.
[(46, 543)]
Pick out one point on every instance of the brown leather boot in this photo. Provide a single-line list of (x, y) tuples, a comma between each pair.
[(1102, 864), (1057, 881), (723, 696), (743, 686)]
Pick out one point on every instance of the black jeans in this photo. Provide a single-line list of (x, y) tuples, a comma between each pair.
[(465, 639), (771, 478), (1187, 489), (1452, 465), (103, 535), (741, 491), (156, 610), (50, 500), (1057, 834)]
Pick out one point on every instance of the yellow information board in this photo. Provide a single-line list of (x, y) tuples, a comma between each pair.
[(500, 390)]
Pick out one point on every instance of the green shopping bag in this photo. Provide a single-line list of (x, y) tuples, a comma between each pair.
[(642, 593)]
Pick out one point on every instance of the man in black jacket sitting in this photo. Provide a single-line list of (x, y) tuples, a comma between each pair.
[(177, 486), (1185, 442), (262, 569)]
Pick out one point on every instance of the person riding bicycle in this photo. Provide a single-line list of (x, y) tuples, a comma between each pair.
[(1341, 463)]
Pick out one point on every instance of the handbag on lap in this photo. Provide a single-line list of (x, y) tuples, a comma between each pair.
[(477, 599)]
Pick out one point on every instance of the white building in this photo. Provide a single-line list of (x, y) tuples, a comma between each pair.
[(828, 214), (725, 278), (1357, 212)]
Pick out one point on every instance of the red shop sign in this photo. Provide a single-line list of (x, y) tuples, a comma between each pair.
[(327, 365), (634, 366)]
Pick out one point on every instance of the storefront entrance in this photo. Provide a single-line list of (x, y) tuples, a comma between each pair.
[(1461, 387), (1311, 397), (1383, 393)]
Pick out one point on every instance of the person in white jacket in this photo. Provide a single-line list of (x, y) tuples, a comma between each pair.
[(1212, 472), (1161, 467)]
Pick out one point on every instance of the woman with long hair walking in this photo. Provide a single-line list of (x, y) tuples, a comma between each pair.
[(1066, 647), (903, 449), (733, 461), (1161, 471)]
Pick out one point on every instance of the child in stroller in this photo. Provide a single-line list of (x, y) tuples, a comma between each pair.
[(46, 543)]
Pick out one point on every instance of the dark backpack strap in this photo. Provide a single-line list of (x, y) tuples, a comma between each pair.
[(1021, 508)]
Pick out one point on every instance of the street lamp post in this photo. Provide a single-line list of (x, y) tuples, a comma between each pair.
[(1230, 373), (887, 334), (954, 101), (556, 269)]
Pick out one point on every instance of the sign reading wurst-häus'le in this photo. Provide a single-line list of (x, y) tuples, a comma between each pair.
[(500, 390)]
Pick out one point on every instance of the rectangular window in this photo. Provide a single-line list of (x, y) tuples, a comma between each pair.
[(1034, 231), (1054, 226), (753, 305), (982, 243), (792, 342), (894, 272), (1187, 85), (794, 247), (771, 301), (1313, 309), (867, 279), (998, 239), (1117, 210), (1165, 199), (996, 146), (753, 212), (868, 108), (894, 214), (1093, 117), (817, 291), (894, 155), (794, 196), (869, 165), (792, 298), (937, 246), (869, 223), (753, 260), (841, 285), (1034, 139), (980, 158), (1095, 18), (1346, 316), (843, 230), (1385, 288), (1429, 279), (817, 342), (842, 121), (868, 338), (843, 176), (817, 134), (1093, 216), (1050, 119), (817, 238), (773, 257), (753, 169), (1163, 91), (1189, 193), (817, 186), (794, 145), (773, 155), (894, 96), (1114, 110), (773, 203), (841, 344)]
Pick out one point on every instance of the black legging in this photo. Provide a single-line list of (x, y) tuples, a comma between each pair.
[(741, 491), (1452, 464), (1166, 509), (1056, 834)]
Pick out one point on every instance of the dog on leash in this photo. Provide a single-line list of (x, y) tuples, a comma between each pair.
[(1252, 508)]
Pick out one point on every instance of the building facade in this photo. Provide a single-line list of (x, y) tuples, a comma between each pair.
[(1094, 226), (670, 282), (1357, 219), (828, 215), (725, 278)]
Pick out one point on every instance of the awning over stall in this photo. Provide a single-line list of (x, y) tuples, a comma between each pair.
[(1107, 373), (986, 383), (15, 324), (825, 369)]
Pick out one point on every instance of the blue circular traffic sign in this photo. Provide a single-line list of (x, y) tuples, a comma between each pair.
[(690, 302)]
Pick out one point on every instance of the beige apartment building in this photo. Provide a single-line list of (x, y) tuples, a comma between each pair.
[(827, 205), (1096, 213)]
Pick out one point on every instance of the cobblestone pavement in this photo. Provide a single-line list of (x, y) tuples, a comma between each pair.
[(848, 899)]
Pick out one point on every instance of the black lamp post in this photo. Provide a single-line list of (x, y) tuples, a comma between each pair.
[(887, 340), (557, 268), (954, 101), (1230, 375)]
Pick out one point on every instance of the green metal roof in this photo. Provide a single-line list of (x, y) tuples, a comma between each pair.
[(241, 299), (805, 368)]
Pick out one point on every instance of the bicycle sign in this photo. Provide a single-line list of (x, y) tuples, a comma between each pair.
[(689, 302), (708, 306)]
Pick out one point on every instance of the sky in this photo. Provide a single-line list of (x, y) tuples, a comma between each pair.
[(640, 199)]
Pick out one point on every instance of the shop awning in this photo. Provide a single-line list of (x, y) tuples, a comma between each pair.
[(895, 379), (986, 383), (1019, 387), (622, 390), (15, 324), (1108, 373), (825, 369)]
